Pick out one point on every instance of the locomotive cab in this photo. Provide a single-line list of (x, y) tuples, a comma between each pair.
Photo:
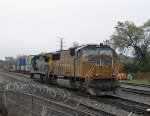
[(95, 62), (97, 66)]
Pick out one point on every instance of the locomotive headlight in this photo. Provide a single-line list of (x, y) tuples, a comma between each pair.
[(113, 74), (97, 75)]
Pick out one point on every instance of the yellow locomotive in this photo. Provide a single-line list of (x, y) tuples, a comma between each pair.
[(89, 68)]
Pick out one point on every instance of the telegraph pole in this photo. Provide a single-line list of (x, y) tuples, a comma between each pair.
[(61, 44)]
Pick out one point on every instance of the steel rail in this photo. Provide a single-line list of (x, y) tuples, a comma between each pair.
[(137, 91), (136, 84), (126, 104)]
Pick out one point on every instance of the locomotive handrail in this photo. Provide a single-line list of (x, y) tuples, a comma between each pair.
[(116, 71), (90, 71)]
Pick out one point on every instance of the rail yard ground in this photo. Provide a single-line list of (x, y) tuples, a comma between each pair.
[(139, 81), (23, 96)]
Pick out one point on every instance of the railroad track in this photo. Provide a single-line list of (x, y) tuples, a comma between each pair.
[(70, 106), (17, 73), (131, 90), (122, 104), (125, 104), (136, 84)]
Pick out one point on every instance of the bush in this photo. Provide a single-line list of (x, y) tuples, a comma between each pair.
[(130, 68), (134, 68), (145, 69)]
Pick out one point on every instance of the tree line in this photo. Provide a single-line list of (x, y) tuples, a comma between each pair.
[(130, 37)]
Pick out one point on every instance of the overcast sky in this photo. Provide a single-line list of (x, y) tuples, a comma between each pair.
[(34, 26)]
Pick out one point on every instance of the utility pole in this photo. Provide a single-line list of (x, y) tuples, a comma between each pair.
[(61, 44)]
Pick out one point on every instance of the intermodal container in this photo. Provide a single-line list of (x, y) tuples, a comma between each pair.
[(23, 68), (22, 62), (5, 67), (28, 67)]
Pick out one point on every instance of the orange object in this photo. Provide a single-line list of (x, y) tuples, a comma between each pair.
[(122, 76)]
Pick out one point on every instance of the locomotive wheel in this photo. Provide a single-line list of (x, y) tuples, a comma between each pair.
[(92, 91), (82, 90), (50, 78), (41, 78), (31, 76), (117, 90)]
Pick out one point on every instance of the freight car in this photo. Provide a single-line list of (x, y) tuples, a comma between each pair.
[(89, 68), (5, 67), (23, 64)]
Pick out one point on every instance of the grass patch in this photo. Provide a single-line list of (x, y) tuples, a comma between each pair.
[(139, 81)]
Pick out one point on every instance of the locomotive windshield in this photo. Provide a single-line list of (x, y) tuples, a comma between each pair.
[(102, 62), (105, 52), (88, 52)]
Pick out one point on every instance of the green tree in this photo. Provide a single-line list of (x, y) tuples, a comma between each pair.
[(128, 35), (130, 68)]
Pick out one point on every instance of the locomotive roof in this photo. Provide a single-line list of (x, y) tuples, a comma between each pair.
[(39, 55), (93, 46)]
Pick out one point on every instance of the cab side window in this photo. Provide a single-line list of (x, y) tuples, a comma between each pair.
[(79, 53)]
